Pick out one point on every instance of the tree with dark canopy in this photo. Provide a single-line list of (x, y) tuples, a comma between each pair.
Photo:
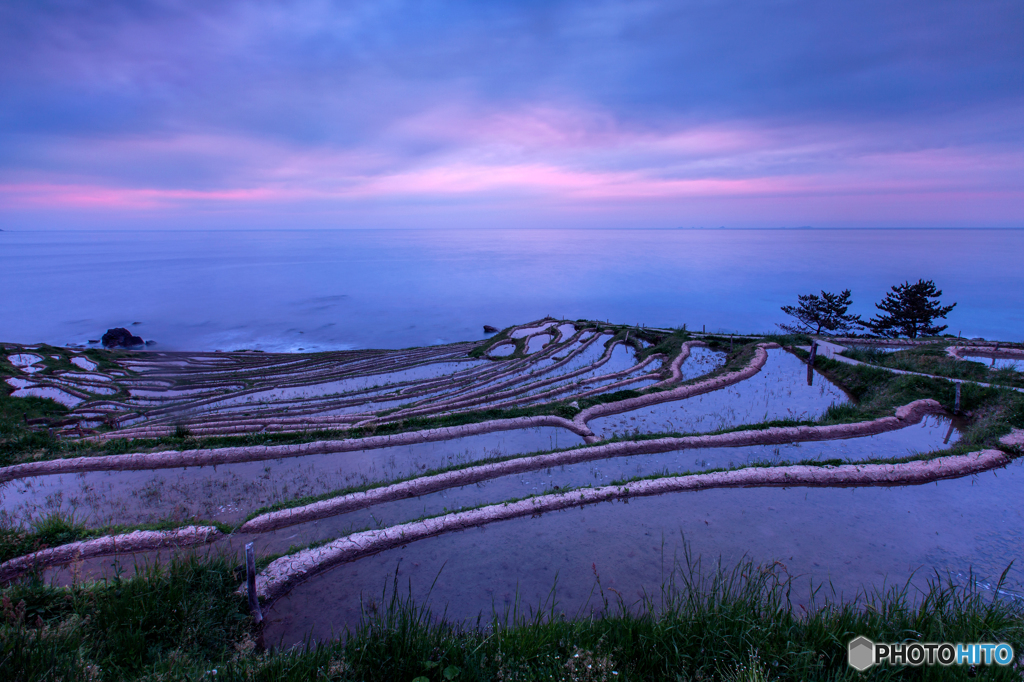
[(826, 313), (909, 310)]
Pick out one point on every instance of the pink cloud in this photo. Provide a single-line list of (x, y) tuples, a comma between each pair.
[(552, 181), (549, 156), (73, 196), (547, 128)]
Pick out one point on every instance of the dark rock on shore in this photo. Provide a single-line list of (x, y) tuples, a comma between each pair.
[(121, 338), (488, 329)]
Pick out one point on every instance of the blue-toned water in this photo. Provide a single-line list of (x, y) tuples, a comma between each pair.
[(316, 290)]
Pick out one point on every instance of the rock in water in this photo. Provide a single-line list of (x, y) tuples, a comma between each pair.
[(121, 338), (488, 329)]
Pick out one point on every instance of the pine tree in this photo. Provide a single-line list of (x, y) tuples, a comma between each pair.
[(826, 313), (909, 310)]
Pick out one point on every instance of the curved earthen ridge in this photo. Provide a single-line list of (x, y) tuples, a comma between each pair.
[(905, 416), (681, 393), (136, 541), (1014, 439), (675, 368), (210, 457), (286, 572)]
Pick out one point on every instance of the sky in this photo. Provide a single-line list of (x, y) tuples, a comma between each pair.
[(385, 114)]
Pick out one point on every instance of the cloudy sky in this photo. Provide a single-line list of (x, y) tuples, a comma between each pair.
[(495, 114)]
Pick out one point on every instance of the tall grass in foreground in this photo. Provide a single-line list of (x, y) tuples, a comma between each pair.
[(183, 621)]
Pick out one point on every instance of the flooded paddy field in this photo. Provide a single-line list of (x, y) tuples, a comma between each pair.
[(926, 437), (857, 538), (303, 453), (778, 391), (1016, 364), (227, 492)]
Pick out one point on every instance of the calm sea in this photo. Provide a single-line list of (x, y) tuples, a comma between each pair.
[(282, 290)]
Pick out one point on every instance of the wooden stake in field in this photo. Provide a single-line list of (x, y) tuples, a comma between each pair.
[(956, 401), (250, 579), (810, 363)]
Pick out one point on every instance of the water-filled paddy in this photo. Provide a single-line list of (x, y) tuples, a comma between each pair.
[(370, 381), (23, 359), (922, 438), (778, 391), (230, 491), (529, 331), (536, 343), (60, 396), (1016, 364), (502, 350), (701, 361), (851, 537)]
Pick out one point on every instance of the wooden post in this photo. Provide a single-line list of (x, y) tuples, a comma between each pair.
[(956, 402), (250, 578), (810, 363)]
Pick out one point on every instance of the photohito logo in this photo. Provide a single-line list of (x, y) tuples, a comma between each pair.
[(863, 653)]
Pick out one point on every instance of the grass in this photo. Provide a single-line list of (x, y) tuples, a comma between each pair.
[(60, 528), (49, 531), (16, 437), (986, 413), (165, 621), (184, 620)]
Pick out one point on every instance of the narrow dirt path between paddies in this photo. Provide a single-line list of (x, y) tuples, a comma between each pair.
[(906, 415), (834, 355), (285, 573)]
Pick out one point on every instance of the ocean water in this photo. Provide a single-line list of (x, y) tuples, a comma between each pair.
[(284, 290)]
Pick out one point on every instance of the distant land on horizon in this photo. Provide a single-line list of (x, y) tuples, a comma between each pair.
[(506, 229), (810, 227)]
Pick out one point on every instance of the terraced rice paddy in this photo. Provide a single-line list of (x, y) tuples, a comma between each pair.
[(351, 464), (1016, 364)]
